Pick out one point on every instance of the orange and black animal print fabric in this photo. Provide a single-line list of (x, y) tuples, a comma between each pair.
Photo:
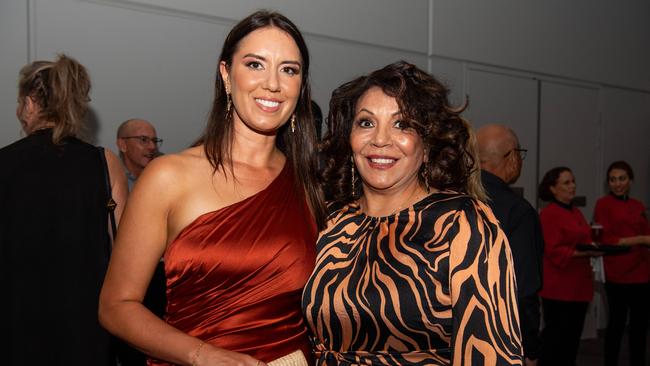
[(432, 284)]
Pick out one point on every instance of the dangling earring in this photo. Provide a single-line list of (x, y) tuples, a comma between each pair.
[(229, 103), (425, 175), (293, 123), (352, 173)]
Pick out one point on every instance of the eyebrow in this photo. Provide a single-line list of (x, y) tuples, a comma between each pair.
[(293, 62), (363, 109)]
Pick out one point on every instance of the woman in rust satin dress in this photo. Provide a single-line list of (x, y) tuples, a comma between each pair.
[(235, 216)]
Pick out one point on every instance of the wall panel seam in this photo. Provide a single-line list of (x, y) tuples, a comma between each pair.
[(31, 30), (430, 37)]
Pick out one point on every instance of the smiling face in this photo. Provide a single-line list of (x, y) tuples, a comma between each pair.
[(264, 80), (387, 155), (619, 182), (564, 189)]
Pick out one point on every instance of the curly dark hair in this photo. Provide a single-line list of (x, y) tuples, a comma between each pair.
[(549, 180), (423, 103)]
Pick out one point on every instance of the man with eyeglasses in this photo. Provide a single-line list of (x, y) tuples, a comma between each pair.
[(138, 145), (501, 160)]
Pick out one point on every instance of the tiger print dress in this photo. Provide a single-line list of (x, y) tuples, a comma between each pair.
[(432, 284)]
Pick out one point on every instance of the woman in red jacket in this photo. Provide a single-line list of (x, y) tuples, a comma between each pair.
[(568, 282), (628, 275)]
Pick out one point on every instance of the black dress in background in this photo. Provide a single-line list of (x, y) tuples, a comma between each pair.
[(53, 252)]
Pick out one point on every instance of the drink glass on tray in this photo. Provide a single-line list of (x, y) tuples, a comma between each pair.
[(596, 233)]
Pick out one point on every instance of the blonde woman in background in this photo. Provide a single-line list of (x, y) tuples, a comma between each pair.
[(54, 236)]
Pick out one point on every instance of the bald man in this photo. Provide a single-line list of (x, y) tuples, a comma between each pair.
[(501, 160), (138, 145)]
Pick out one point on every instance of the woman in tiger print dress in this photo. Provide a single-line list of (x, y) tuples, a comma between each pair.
[(412, 268)]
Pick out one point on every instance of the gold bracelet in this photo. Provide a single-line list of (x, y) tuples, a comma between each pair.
[(197, 353)]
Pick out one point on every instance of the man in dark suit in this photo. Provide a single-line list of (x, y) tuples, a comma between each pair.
[(501, 161)]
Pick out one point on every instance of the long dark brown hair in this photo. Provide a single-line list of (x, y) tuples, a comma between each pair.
[(60, 88), (423, 103), (298, 146)]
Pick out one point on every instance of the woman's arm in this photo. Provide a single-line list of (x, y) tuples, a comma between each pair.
[(119, 184), (483, 292), (141, 241), (558, 249), (603, 216), (635, 240)]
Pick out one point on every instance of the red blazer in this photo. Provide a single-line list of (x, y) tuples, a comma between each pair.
[(566, 277), (623, 218)]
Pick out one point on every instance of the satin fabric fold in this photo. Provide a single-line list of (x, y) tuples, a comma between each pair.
[(235, 275)]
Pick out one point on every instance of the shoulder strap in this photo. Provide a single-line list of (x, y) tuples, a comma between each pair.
[(110, 202)]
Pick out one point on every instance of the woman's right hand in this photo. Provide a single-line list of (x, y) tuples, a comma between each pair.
[(214, 356)]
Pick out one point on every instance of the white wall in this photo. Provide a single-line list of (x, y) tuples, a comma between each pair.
[(626, 135), (569, 135), (13, 55), (509, 99), (156, 59), (598, 41)]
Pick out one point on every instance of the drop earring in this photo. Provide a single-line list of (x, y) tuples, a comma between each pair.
[(425, 175), (293, 123), (352, 173), (228, 98)]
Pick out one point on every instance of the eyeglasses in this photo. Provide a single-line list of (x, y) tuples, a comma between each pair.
[(145, 140), (522, 153)]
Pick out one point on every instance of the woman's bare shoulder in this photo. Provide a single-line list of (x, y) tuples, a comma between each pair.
[(172, 171), (175, 165)]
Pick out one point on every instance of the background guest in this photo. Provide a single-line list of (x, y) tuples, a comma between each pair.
[(412, 268), (54, 237), (501, 162), (138, 144), (624, 222), (568, 281)]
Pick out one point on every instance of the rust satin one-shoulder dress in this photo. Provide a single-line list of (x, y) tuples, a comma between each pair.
[(235, 275)]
